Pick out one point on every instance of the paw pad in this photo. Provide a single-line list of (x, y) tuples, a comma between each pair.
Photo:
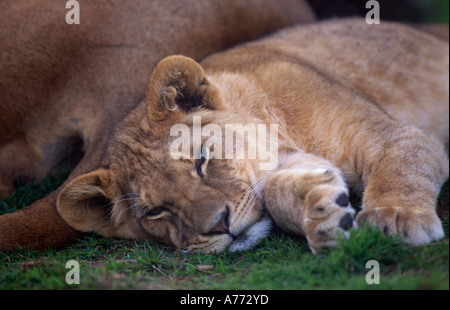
[(342, 200), (346, 222)]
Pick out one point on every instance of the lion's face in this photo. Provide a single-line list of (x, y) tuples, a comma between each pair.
[(201, 204), (156, 188)]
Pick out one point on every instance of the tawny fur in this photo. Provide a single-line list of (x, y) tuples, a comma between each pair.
[(360, 107), (67, 86)]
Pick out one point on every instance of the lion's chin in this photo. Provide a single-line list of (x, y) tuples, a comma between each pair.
[(252, 236), (247, 239)]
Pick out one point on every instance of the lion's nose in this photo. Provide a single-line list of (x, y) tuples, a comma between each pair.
[(223, 225)]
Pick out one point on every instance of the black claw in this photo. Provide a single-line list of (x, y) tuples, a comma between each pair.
[(342, 200)]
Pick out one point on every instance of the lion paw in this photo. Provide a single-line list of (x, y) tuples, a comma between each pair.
[(329, 215), (415, 226)]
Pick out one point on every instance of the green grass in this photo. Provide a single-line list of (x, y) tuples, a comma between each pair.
[(24, 196), (433, 11), (279, 262)]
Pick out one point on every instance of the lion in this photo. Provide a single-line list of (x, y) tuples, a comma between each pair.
[(63, 88), (357, 107)]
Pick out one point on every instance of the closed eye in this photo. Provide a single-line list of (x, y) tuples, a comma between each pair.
[(198, 165), (156, 212)]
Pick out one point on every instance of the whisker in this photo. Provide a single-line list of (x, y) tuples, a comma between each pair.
[(116, 200), (253, 193), (125, 199), (131, 207), (128, 194), (139, 214), (256, 187)]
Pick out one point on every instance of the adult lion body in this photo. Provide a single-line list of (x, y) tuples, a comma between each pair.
[(66, 86), (357, 106)]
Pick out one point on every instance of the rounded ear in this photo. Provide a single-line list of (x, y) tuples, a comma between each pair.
[(85, 205), (178, 85)]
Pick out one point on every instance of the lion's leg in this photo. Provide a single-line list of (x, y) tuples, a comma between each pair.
[(37, 227), (308, 196), (403, 177)]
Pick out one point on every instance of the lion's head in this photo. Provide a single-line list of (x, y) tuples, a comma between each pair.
[(162, 180)]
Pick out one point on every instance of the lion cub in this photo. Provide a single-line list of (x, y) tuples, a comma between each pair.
[(356, 106)]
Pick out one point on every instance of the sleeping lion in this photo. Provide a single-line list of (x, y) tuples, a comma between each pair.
[(354, 107), (63, 88), (280, 131)]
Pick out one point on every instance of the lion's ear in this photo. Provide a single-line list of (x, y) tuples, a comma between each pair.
[(85, 204), (178, 85)]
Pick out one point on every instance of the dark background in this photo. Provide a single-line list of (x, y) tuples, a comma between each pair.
[(418, 11)]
